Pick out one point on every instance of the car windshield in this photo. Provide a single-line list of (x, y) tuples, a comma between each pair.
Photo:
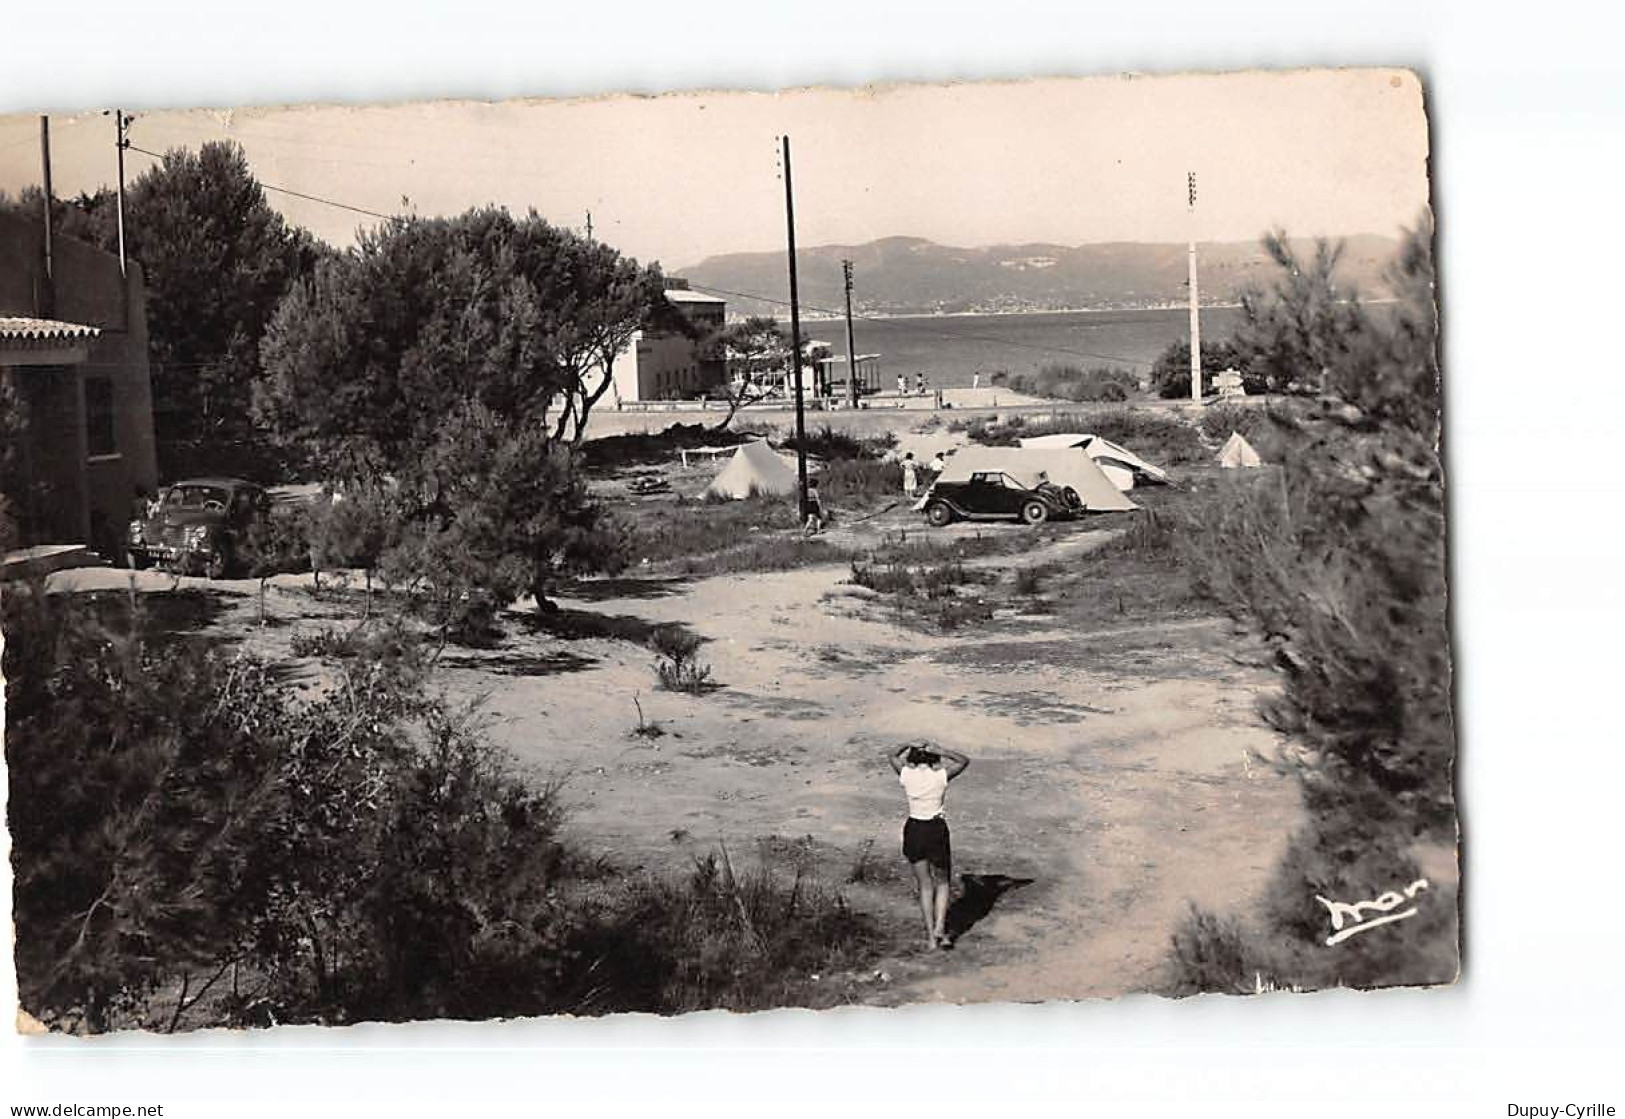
[(196, 497)]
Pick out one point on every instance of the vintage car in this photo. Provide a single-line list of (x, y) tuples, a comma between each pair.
[(197, 525), (992, 495)]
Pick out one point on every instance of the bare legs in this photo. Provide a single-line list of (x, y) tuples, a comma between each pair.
[(926, 878), (936, 884)]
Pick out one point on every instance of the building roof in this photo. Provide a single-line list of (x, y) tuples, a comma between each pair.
[(16, 329), (684, 295)]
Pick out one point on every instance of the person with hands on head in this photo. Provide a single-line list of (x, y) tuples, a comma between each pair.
[(924, 772)]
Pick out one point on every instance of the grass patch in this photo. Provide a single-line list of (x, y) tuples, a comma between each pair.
[(1156, 435), (1098, 384), (860, 483), (654, 448), (721, 939)]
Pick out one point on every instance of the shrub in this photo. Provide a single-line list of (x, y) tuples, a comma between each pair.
[(1171, 372), (364, 852), (887, 578), (860, 482), (676, 668), (1069, 382), (1029, 581), (1339, 560), (721, 939), (834, 446)]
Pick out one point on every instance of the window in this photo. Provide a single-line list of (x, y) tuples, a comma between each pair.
[(99, 417)]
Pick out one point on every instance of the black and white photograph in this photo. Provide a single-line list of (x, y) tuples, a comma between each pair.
[(925, 543)]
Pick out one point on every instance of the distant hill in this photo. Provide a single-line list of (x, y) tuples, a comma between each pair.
[(910, 275)]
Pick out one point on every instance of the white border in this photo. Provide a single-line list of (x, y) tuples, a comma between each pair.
[(1525, 106)]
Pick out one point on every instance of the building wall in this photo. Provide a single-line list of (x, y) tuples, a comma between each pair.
[(89, 290), (664, 366)]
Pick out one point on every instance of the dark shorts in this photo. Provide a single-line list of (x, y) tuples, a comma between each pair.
[(927, 840)]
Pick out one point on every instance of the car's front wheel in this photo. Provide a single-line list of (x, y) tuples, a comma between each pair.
[(1035, 512), (938, 513)]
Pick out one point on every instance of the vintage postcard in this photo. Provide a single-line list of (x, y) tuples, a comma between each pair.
[(965, 543)]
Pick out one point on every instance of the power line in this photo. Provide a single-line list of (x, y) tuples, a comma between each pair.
[(942, 331), (929, 329), (297, 193)]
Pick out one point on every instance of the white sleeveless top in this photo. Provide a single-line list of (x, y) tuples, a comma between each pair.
[(926, 787)]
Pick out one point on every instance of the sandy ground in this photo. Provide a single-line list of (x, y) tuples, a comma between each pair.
[(1121, 771)]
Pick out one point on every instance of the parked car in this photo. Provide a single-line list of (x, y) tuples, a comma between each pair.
[(993, 495), (197, 525)]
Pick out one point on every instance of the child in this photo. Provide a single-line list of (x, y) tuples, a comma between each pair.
[(911, 476)]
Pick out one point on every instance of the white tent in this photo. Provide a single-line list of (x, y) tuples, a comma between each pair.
[(1029, 465), (1237, 452), (1119, 464), (754, 467)]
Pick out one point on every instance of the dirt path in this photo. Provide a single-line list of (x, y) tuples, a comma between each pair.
[(1120, 770)]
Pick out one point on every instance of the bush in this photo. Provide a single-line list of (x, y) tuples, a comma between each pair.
[(860, 482), (723, 940), (835, 446), (676, 668), (361, 853), (1102, 383), (1171, 372), (1338, 560), (1151, 433)]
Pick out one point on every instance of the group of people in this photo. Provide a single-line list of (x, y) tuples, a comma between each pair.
[(911, 472)]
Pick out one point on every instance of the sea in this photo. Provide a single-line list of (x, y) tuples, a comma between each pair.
[(949, 350)]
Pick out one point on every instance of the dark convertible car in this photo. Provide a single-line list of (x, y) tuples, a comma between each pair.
[(992, 495), (197, 524)]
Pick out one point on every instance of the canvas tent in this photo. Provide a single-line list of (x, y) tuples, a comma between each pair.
[(1237, 452), (1028, 464), (1119, 464), (755, 466)]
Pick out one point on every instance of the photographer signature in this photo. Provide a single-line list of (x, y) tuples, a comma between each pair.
[(1358, 915)]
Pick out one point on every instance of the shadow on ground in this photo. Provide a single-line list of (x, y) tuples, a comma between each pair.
[(523, 664), (599, 590), (569, 624), (981, 893)]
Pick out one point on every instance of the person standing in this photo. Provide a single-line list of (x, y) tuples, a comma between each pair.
[(902, 385), (911, 476), (976, 379), (919, 384), (937, 464), (924, 772), (815, 509)]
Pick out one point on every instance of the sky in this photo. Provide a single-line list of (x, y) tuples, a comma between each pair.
[(682, 177)]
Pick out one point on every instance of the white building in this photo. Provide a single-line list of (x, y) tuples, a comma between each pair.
[(663, 365)]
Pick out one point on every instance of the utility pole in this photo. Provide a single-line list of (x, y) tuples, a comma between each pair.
[(795, 330), (851, 346), (589, 225), (122, 124), (1196, 314), (47, 296)]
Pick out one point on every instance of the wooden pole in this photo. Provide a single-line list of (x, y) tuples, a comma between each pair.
[(122, 125), (851, 346), (795, 331), (1196, 314), (47, 296)]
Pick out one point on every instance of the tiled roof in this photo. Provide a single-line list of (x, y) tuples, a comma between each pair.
[(15, 329)]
